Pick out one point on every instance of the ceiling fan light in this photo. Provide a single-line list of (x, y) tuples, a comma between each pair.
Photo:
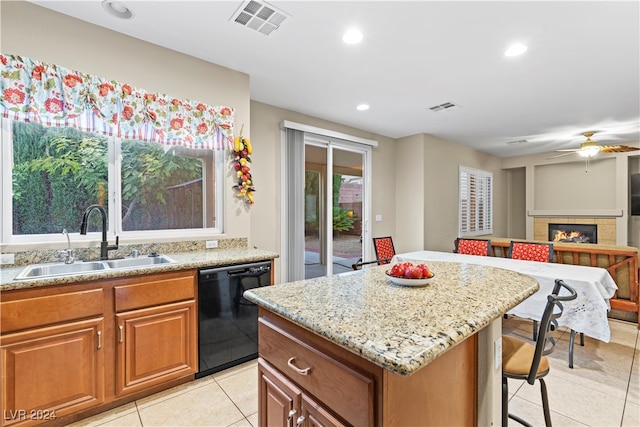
[(589, 151)]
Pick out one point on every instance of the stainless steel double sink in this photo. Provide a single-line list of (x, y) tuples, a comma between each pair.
[(37, 271)]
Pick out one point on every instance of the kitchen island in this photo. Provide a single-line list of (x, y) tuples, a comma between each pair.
[(356, 349)]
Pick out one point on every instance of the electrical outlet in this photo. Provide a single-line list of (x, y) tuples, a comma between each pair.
[(211, 244), (497, 353), (7, 259)]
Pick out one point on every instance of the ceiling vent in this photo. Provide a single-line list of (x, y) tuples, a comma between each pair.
[(517, 141), (259, 16), (447, 106)]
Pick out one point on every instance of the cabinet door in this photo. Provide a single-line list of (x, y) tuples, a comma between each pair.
[(278, 398), (314, 415), (155, 345), (52, 371)]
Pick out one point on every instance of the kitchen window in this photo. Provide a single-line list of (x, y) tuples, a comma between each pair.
[(50, 175), (69, 139), (475, 214)]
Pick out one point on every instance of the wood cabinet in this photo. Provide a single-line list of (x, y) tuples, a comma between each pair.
[(70, 351), (307, 380), (51, 354), (284, 404), (155, 345), (52, 371)]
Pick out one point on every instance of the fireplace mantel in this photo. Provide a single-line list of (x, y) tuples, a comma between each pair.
[(582, 213)]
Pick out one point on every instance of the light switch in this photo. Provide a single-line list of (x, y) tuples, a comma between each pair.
[(378, 218)]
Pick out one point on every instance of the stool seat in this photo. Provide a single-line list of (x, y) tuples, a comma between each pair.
[(517, 356)]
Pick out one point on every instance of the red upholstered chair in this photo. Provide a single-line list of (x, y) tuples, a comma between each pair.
[(542, 252), (384, 249), (478, 247)]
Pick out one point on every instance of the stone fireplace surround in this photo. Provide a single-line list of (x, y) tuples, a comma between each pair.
[(606, 227)]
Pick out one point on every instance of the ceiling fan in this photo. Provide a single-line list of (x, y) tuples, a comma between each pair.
[(590, 148)]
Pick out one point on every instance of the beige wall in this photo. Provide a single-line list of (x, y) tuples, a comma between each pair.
[(266, 141), (573, 188), (562, 188), (30, 30), (441, 163), (409, 194), (516, 203)]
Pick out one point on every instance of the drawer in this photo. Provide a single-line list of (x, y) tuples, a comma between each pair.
[(154, 289), (347, 392), (50, 309)]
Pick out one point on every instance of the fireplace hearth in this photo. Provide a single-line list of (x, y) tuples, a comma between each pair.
[(573, 233)]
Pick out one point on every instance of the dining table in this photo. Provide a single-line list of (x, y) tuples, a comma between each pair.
[(587, 314)]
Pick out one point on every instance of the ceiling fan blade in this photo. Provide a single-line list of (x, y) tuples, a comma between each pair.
[(570, 149), (617, 148), (562, 155)]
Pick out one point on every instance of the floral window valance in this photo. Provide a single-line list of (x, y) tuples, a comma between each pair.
[(55, 96)]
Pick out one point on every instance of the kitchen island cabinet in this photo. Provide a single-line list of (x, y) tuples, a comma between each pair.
[(367, 352)]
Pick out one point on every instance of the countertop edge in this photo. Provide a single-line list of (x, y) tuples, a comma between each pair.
[(184, 261)]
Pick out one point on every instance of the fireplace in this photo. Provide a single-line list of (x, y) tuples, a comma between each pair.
[(573, 233)]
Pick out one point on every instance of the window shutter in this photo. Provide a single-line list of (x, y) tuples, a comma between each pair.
[(476, 202)]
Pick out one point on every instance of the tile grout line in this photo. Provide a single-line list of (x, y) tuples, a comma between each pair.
[(244, 417), (139, 414), (626, 397)]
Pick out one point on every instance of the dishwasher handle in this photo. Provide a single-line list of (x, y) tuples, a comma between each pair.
[(253, 269), (249, 272)]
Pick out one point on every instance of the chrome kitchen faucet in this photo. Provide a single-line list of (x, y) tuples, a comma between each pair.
[(67, 253)]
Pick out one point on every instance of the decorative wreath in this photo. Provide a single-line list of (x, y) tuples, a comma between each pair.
[(242, 157)]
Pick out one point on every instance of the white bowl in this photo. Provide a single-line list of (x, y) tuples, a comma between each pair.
[(403, 281)]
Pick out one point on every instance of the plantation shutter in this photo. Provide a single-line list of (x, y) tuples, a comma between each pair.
[(475, 215)]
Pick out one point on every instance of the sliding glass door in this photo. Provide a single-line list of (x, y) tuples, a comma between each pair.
[(334, 210)]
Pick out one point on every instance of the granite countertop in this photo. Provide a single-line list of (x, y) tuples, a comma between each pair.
[(398, 328), (184, 261)]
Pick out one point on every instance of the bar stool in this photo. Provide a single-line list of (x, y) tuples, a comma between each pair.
[(523, 361)]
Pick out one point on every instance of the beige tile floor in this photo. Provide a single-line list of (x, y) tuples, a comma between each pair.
[(603, 390)]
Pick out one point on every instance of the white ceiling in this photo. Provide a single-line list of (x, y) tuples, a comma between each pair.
[(580, 73)]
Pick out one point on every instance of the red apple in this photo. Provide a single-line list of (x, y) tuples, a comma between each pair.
[(416, 272), (425, 270), (397, 270)]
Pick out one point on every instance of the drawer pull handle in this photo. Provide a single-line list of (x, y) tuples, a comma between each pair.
[(290, 417), (121, 332), (99, 339), (304, 371), (300, 420)]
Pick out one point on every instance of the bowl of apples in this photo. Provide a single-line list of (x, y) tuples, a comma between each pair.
[(409, 274)]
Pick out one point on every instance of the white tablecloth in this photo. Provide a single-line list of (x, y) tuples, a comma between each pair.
[(586, 314)]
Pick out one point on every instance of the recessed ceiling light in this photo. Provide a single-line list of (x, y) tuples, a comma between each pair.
[(362, 107), (352, 37), (117, 9), (515, 50)]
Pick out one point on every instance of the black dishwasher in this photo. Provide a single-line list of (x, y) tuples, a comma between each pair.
[(227, 322)]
